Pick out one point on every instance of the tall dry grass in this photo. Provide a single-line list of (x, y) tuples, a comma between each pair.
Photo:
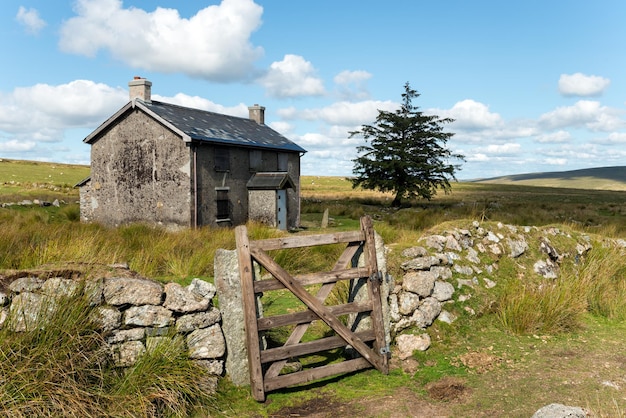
[(592, 284), (31, 239), (60, 368)]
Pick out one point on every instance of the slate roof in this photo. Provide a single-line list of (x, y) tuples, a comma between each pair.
[(201, 125)]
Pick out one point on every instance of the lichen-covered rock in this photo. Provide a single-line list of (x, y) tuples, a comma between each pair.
[(189, 322), (430, 308), (446, 317), (28, 310), (546, 269), (442, 291), (442, 272), (408, 343), (517, 246), (557, 410), (419, 282), (58, 286), (407, 303), (132, 291), (107, 318), (421, 263), (148, 315), (437, 242), (124, 335), (180, 299), (203, 288), (207, 343), (414, 252), (127, 353), (26, 284)]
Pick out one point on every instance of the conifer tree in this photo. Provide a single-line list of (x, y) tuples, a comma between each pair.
[(406, 154)]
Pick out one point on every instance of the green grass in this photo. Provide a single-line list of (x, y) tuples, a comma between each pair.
[(30, 180), (523, 325)]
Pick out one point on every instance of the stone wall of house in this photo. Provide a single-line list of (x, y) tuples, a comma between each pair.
[(140, 172), (133, 313)]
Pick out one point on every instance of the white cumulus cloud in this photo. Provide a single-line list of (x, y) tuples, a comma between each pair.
[(14, 146), (197, 102), (214, 44), (30, 19), (348, 113), (614, 138), (502, 149), (352, 85), (347, 77), (554, 137), (588, 113), (292, 77), (470, 114), (579, 84), (42, 112)]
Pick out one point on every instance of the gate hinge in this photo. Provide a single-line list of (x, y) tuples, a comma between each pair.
[(378, 275), (385, 351)]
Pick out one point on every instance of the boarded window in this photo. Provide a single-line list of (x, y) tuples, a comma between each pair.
[(222, 159), (283, 160), (256, 160), (223, 204)]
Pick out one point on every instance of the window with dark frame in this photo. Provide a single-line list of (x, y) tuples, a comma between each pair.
[(256, 160), (222, 159), (223, 204), (283, 161)]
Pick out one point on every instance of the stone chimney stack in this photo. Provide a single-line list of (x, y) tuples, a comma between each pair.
[(140, 88), (257, 114)]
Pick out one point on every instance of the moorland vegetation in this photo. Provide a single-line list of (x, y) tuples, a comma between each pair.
[(526, 369)]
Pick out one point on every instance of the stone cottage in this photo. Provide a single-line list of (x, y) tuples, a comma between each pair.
[(176, 166)]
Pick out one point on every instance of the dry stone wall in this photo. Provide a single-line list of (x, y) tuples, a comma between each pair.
[(448, 268), (133, 313)]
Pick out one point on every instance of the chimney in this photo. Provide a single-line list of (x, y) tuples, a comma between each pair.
[(140, 88), (257, 114)]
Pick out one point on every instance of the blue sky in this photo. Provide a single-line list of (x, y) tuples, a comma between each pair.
[(532, 85)]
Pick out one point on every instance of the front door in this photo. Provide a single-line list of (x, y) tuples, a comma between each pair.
[(281, 209)]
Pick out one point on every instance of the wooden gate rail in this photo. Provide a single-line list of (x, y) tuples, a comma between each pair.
[(370, 344)]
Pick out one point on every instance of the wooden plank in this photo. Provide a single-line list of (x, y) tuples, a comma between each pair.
[(312, 303), (269, 322), (298, 332), (317, 373), (250, 313), (374, 292), (307, 240), (302, 349), (266, 285)]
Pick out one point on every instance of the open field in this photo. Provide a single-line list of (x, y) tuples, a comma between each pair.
[(476, 367)]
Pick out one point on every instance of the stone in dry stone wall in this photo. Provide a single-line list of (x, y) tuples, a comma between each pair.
[(132, 291)]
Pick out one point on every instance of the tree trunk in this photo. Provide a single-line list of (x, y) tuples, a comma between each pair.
[(397, 201)]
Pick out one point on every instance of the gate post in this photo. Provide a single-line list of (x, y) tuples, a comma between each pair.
[(249, 303)]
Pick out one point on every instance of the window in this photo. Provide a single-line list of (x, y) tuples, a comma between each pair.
[(222, 159), (223, 204), (283, 159), (256, 160)]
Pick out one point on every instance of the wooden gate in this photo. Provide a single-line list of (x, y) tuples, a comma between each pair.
[(266, 363)]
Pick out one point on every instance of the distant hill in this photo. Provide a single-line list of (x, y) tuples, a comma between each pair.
[(602, 178)]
